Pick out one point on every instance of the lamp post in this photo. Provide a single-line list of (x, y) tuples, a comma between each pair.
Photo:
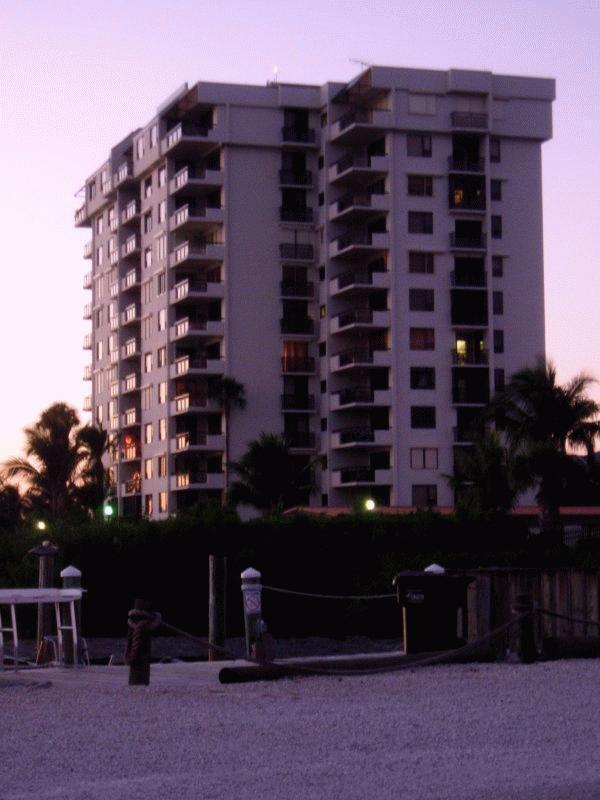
[(46, 551)]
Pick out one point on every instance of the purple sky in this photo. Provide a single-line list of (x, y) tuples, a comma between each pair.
[(77, 77)]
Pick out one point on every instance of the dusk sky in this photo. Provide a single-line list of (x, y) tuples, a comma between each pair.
[(77, 77)]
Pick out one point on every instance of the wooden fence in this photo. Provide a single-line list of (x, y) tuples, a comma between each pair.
[(573, 592)]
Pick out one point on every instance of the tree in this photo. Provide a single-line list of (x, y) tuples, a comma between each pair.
[(268, 478), (12, 505), (230, 394), (54, 458), (542, 420), (93, 477)]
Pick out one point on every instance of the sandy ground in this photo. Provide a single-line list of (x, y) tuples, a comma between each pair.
[(504, 731)]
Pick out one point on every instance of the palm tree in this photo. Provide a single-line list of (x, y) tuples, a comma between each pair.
[(55, 457), (93, 477), (269, 480), (13, 506), (543, 419), (230, 394)]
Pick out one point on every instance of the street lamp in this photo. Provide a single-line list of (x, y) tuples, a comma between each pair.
[(40, 525), (370, 504)]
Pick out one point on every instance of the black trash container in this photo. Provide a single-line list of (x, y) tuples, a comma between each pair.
[(434, 610)]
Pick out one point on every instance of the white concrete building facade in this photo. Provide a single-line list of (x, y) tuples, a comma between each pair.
[(366, 259)]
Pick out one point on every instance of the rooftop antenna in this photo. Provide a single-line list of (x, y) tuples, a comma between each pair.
[(275, 80), (363, 64)]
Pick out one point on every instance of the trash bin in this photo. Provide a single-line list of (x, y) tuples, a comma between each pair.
[(434, 609)]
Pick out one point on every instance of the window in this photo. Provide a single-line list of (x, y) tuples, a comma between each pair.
[(162, 429), (147, 257), (421, 103), (147, 327), (321, 198), (424, 495), (148, 505), (323, 387), (147, 468), (162, 319), (497, 302), (153, 135), (322, 312), (321, 162), (148, 362), (496, 226), (161, 283), (99, 224), (162, 176), (420, 185), (162, 392), (148, 222), (147, 291), (494, 150), (321, 273), (498, 380), (498, 341), (324, 500), (497, 266), (139, 147), (496, 190), (98, 318), (99, 350), (146, 397), (162, 502), (420, 222), (161, 247), (162, 211), (92, 189), (161, 356), (422, 416), (420, 262), (420, 299), (323, 423), (422, 378), (422, 339), (162, 466), (147, 186), (423, 458), (99, 414), (148, 433), (322, 348), (419, 145), (99, 254)]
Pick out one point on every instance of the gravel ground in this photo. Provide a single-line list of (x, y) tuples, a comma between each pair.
[(472, 732)]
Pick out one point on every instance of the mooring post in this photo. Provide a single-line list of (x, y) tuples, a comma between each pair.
[(71, 579), (527, 648), (45, 552), (141, 622), (217, 566), (251, 593)]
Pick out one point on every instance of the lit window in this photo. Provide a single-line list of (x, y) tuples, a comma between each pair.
[(162, 429), (148, 468), (162, 502)]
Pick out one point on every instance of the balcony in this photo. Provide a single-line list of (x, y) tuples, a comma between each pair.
[(81, 217), (188, 181), (190, 218), (298, 365), (293, 135), (87, 280), (106, 186), (360, 358), (470, 358), (360, 436), (360, 125), (461, 242), (131, 418), (189, 137), (358, 281), (297, 289), (87, 311), (114, 424), (113, 257), (114, 356), (87, 372), (463, 435), (196, 289), (131, 315), (359, 319), (113, 223), (87, 341), (131, 487), (197, 252), (297, 402), (130, 349), (131, 280), (300, 440), (131, 247), (361, 476), (130, 383), (288, 177), (291, 251), (87, 403), (132, 452), (468, 281), (357, 244), (197, 479), (466, 120), (355, 397), (465, 164), (189, 403), (123, 173), (359, 169), (113, 322), (296, 214), (113, 289), (187, 327), (87, 250), (359, 205), (131, 212), (300, 327), (196, 365), (200, 441), (463, 199)]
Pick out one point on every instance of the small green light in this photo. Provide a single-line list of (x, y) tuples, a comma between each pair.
[(370, 504), (108, 510)]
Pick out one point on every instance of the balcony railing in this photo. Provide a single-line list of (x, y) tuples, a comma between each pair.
[(356, 434), (113, 223), (182, 289), (186, 325), (288, 177), (131, 417), (355, 316), (468, 281), (130, 383), (295, 251), (299, 326), (461, 242), (295, 214), (184, 364), (357, 475), (130, 314), (87, 372), (300, 439), (130, 211), (87, 280), (364, 115), (297, 364), (130, 246), (133, 486), (352, 199), (457, 200), (297, 289), (177, 133), (183, 402), (297, 402), (130, 348), (298, 135), (130, 279), (355, 394), (122, 173), (470, 357), (87, 311), (358, 355), (465, 164), (466, 119), (81, 215), (87, 341), (87, 250), (87, 403)]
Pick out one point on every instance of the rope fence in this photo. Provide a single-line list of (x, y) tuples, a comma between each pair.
[(280, 590)]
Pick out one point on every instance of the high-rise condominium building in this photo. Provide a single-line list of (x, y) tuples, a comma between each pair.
[(365, 258)]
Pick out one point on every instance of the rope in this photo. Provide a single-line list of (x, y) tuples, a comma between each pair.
[(330, 596), (141, 624), (577, 620)]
